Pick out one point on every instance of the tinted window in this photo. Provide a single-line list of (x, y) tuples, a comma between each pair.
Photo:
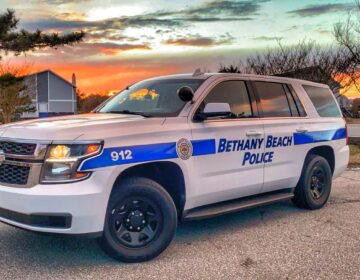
[(156, 97), (274, 102), (323, 101), (234, 93)]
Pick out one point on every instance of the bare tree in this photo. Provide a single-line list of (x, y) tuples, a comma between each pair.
[(12, 99), (15, 90), (348, 33), (305, 60), (230, 68), (18, 70)]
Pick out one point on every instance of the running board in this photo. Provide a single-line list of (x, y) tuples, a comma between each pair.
[(236, 205)]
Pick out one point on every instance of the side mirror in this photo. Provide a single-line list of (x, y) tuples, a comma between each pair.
[(213, 110), (185, 93)]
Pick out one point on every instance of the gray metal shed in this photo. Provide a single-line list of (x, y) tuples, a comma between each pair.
[(51, 94)]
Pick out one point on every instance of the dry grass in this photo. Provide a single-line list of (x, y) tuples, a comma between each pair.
[(354, 156)]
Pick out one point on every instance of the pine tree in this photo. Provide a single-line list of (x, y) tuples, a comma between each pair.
[(21, 41)]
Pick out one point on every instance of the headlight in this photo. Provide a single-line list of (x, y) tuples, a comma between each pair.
[(62, 162)]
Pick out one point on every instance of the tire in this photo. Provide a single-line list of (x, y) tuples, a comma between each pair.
[(314, 187), (140, 222)]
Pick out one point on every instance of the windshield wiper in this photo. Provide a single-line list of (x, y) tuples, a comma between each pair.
[(128, 112)]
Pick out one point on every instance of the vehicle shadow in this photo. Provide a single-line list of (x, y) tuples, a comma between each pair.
[(30, 250)]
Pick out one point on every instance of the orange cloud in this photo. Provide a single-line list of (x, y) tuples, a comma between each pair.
[(106, 78), (114, 49)]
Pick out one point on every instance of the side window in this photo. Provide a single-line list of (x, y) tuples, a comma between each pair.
[(273, 99), (323, 101), (234, 93)]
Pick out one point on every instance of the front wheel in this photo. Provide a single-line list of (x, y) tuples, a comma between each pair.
[(314, 187), (141, 221)]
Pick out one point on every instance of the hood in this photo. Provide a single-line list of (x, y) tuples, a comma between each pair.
[(78, 127)]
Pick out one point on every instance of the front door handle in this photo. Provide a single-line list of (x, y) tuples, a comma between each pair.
[(254, 133), (302, 130)]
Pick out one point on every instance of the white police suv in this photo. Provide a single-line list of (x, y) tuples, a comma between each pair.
[(168, 149)]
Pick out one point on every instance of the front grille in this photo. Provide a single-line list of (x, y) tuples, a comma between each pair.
[(13, 174), (15, 148)]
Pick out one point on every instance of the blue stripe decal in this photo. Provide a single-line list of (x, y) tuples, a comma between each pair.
[(204, 147), (141, 153), (144, 153), (319, 136)]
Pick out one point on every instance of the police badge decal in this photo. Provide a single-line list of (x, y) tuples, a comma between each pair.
[(184, 149)]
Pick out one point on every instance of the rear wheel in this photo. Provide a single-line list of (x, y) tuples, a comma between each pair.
[(314, 187), (141, 221)]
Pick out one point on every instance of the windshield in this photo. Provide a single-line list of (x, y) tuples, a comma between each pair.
[(151, 98)]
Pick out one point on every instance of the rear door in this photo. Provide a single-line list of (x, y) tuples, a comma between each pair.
[(283, 116), (234, 168)]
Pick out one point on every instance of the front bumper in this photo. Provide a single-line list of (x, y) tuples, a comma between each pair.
[(75, 208)]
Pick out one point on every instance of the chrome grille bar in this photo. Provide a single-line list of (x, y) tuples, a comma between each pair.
[(18, 167)]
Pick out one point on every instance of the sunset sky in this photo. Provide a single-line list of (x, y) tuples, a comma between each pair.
[(130, 40)]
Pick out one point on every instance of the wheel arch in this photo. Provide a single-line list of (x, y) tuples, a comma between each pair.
[(166, 173), (326, 152)]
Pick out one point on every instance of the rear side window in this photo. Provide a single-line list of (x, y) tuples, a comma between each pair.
[(273, 99), (323, 101)]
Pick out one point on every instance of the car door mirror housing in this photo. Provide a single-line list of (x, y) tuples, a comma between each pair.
[(185, 93), (213, 110)]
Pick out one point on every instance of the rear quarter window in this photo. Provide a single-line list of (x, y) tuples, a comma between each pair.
[(323, 100)]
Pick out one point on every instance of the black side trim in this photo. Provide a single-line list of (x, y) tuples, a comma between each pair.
[(42, 220), (235, 205)]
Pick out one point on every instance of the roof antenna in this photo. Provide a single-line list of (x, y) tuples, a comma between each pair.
[(197, 72)]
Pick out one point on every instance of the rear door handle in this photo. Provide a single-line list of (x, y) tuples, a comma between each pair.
[(302, 130), (254, 133)]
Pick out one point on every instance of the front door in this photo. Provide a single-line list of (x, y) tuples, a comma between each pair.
[(235, 168)]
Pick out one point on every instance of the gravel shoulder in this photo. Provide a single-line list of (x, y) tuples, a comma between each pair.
[(272, 242)]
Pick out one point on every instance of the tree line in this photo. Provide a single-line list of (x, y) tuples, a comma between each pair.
[(337, 66)]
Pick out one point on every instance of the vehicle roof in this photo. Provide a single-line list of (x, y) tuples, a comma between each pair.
[(204, 76)]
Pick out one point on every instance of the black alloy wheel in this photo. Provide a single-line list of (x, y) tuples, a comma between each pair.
[(140, 222), (318, 182), (314, 187), (135, 221)]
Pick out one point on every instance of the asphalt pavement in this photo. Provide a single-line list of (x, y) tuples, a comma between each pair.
[(272, 242)]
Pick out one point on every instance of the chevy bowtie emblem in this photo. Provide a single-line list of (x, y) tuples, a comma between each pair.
[(2, 157)]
